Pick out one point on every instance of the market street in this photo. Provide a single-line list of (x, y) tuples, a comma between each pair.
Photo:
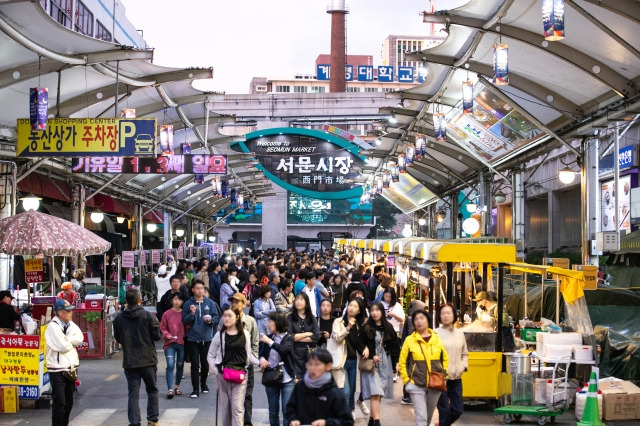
[(102, 400)]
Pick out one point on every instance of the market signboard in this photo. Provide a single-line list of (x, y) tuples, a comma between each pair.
[(128, 259), (79, 137), (166, 165), (20, 362), (33, 271), (308, 162), (493, 129)]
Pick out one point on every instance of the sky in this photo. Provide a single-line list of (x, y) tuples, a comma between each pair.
[(242, 39)]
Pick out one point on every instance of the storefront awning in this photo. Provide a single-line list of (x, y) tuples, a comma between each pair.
[(481, 253)]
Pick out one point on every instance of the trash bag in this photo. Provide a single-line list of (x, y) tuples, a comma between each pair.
[(619, 356)]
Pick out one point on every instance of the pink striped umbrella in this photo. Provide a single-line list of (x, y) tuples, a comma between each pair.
[(31, 233)]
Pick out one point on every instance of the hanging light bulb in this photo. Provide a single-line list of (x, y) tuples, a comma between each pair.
[(200, 236), (386, 179), (120, 219), (151, 227), (30, 202), (472, 207), (409, 154), (566, 175), (395, 172), (407, 232), (402, 163), (500, 64), (441, 215), (97, 216), (467, 96), (179, 232), (421, 144), (553, 19)]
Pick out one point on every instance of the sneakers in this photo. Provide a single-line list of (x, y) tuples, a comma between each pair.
[(194, 394), (363, 407), (395, 377), (205, 389), (406, 400), (353, 413)]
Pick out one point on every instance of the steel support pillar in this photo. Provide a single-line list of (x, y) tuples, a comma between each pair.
[(517, 212), (7, 185), (453, 218), (588, 190)]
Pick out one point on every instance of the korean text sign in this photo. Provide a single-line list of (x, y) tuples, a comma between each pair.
[(33, 271), (75, 137), (170, 164), (19, 360)]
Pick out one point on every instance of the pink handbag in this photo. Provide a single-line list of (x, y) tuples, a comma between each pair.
[(233, 376)]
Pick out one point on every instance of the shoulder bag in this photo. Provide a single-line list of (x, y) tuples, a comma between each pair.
[(337, 351), (367, 365), (272, 376), (229, 374), (437, 380)]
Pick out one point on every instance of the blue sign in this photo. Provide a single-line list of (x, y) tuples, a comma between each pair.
[(405, 74), (365, 73), (422, 76), (348, 72), (385, 74), (625, 157), (28, 392), (323, 72)]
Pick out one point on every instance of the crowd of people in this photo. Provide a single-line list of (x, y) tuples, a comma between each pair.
[(310, 322)]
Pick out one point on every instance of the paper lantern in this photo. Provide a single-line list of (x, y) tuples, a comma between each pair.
[(402, 163), (421, 145), (500, 64), (395, 172), (553, 19), (467, 96), (386, 179), (38, 107), (440, 126), (409, 154)]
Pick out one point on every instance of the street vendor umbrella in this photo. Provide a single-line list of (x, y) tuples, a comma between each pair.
[(31, 233)]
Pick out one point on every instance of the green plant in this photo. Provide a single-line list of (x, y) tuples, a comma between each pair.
[(92, 316)]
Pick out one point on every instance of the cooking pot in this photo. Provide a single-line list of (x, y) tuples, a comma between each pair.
[(518, 363)]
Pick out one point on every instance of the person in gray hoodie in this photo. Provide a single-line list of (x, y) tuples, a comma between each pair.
[(450, 404), (200, 317)]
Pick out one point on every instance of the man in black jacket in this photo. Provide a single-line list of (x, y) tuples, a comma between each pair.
[(356, 284), (165, 302), (137, 330)]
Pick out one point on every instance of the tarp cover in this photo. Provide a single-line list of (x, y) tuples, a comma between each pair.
[(620, 356), (624, 269)]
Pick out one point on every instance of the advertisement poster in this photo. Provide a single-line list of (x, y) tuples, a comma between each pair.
[(128, 259), (19, 360), (33, 271), (155, 256), (608, 202)]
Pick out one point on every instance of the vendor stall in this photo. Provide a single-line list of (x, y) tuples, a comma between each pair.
[(31, 234)]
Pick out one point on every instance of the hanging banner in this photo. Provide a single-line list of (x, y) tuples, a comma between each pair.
[(608, 204), (33, 271), (128, 259), (155, 256), (500, 64), (38, 107), (165, 165), (74, 137), (553, 19)]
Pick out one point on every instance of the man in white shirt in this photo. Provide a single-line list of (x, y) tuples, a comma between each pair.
[(312, 292), (62, 337)]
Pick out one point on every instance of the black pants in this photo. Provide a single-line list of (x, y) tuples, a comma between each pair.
[(248, 398), (199, 366), (134, 376), (450, 404), (62, 399)]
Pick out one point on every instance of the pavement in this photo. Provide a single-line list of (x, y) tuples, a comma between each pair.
[(102, 400)]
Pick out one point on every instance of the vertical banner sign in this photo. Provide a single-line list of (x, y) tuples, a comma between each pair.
[(166, 139), (323, 72), (128, 259), (33, 271), (385, 74), (38, 107), (142, 258), (181, 251), (553, 19), (405, 74), (365, 73), (500, 64), (155, 256)]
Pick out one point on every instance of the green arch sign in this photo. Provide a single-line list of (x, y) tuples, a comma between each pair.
[(313, 163)]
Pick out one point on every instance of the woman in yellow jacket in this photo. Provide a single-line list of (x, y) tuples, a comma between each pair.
[(422, 352)]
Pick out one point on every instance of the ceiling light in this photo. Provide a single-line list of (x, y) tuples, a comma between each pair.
[(472, 207), (151, 227), (120, 219), (199, 236), (566, 175), (179, 232), (422, 221), (97, 216), (212, 238), (500, 197), (30, 202), (406, 231), (442, 215)]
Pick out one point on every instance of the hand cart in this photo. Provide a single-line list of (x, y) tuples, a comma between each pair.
[(557, 403)]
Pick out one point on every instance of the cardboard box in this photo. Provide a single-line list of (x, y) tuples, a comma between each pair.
[(9, 399), (621, 401)]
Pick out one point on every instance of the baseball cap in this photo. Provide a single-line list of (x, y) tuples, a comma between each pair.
[(162, 270), (239, 297), (483, 295), (66, 285), (5, 293), (62, 304)]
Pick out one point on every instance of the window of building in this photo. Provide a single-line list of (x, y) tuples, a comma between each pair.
[(283, 89), (61, 11), (389, 89), (353, 89), (84, 20), (261, 88), (102, 33), (300, 89), (370, 89), (318, 89), (43, 3)]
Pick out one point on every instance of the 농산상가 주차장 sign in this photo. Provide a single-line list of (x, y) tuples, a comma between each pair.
[(80, 137)]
